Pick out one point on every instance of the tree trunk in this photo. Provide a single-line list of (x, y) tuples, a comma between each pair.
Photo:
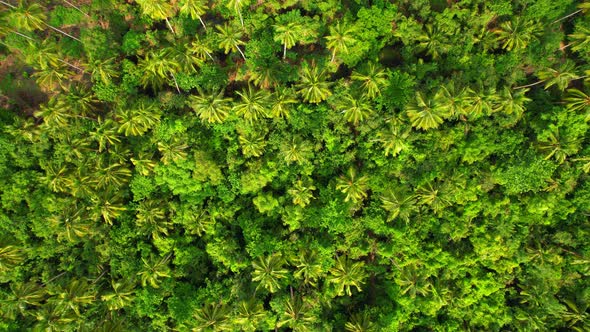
[(175, 82), (170, 26), (62, 32), (77, 8), (242, 53), (284, 51), (203, 23)]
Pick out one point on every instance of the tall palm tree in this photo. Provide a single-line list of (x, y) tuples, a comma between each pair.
[(107, 205), (580, 39), (230, 39), (296, 150), (360, 323), (250, 314), (309, 267), (212, 317), (286, 34), (353, 186), (301, 193), (432, 41), (172, 151), (252, 143), (558, 145), (21, 297), (210, 107), (280, 102), (372, 78), (195, 9), (313, 85), (297, 315), (151, 218), (478, 102), (516, 34), (560, 77), (158, 10), (268, 272), (399, 204), (512, 102), (156, 67), (578, 101), (76, 295), (236, 6), (153, 270), (121, 296), (136, 120), (394, 139), (201, 49), (424, 113), (347, 274), (451, 99), (354, 109), (253, 104), (340, 38), (30, 17), (10, 256)]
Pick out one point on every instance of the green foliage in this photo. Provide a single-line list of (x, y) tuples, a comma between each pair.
[(294, 165)]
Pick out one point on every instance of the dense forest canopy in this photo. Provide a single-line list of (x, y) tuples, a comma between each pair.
[(294, 165)]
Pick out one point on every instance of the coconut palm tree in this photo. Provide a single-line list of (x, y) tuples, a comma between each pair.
[(236, 6), (360, 323), (210, 107), (230, 39), (137, 119), (158, 10), (249, 315), (252, 143), (516, 34), (107, 205), (121, 296), (296, 150), (281, 101), (194, 9), (286, 34), (268, 272), (340, 38), (353, 186), (75, 296), (347, 274), (153, 270), (394, 139), (313, 85), (399, 203), (560, 77), (212, 317), (424, 113), (309, 267), (301, 193), (354, 109), (156, 67), (372, 78), (297, 315), (253, 104)]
